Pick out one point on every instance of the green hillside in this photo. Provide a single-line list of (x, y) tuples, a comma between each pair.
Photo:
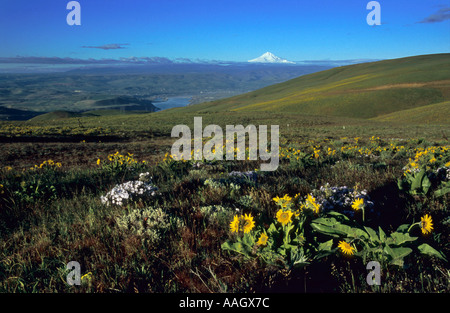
[(433, 113), (363, 90), (56, 115)]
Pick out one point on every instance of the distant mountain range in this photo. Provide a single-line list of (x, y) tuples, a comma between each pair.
[(270, 58), (32, 64)]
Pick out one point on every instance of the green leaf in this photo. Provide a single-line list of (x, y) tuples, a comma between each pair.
[(372, 234), (325, 246), (401, 252), (426, 184), (248, 240), (430, 251), (417, 182), (236, 247), (382, 234), (400, 184), (324, 249), (322, 225), (401, 238), (397, 254), (272, 229), (403, 228), (298, 258), (339, 216), (331, 227), (443, 190)]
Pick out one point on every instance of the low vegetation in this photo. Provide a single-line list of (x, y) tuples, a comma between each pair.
[(138, 222)]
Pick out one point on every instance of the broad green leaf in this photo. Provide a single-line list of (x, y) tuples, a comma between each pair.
[(426, 184), (327, 230), (429, 250), (227, 245), (401, 238), (324, 249), (417, 182), (233, 246), (330, 226), (326, 246), (325, 221), (248, 240), (398, 262), (396, 255), (236, 247), (400, 253), (372, 234), (403, 228), (339, 216)]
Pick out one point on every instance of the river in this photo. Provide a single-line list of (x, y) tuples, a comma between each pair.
[(173, 102)]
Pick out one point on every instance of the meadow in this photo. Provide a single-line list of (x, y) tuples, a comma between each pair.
[(105, 192)]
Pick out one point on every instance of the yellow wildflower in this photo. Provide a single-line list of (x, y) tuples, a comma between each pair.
[(262, 241), (248, 223), (243, 222), (346, 248), (234, 225), (358, 204), (426, 224), (284, 217), (312, 204), (283, 202)]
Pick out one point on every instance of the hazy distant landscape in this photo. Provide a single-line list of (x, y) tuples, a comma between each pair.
[(84, 90)]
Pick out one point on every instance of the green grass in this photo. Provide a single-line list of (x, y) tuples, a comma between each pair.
[(63, 220), (437, 113)]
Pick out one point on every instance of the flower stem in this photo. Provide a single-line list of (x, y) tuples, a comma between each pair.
[(412, 225)]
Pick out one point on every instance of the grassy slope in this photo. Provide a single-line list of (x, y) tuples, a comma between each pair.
[(363, 91), (433, 113)]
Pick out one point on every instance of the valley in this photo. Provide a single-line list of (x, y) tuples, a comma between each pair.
[(90, 89)]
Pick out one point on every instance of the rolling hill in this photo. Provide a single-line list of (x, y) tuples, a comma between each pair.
[(427, 114), (366, 90)]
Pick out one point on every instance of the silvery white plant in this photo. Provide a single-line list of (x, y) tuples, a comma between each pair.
[(130, 191), (149, 223), (213, 183), (341, 197), (443, 172), (249, 175), (216, 212)]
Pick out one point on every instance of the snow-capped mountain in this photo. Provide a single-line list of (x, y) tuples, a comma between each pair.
[(270, 58)]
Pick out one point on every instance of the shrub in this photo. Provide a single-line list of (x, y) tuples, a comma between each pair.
[(150, 223)]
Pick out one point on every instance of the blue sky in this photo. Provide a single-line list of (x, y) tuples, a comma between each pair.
[(231, 30)]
